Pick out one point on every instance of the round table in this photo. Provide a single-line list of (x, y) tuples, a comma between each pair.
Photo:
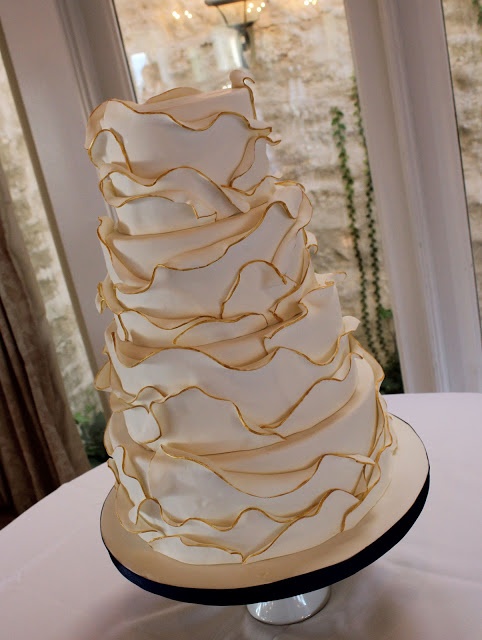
[(57, 581)]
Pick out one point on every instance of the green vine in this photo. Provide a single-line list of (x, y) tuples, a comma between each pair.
[(370, 273), (477, 4), (91, 424), (339, 137)]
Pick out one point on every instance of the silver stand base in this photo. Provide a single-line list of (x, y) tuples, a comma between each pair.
[(290, 610)]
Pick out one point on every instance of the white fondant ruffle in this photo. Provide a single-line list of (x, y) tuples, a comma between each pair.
[(247, 421)]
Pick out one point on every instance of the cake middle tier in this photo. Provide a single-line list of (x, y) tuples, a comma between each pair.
[(244, 263)]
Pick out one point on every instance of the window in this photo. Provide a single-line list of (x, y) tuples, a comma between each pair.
[(403, 76)]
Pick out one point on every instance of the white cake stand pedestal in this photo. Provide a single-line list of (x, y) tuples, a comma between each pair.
[(272, 587), (290, 610)]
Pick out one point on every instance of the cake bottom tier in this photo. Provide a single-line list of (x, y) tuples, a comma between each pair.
[(220, 509)]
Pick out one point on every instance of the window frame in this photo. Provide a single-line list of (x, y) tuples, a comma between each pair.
[(68, 57), (403, 73)]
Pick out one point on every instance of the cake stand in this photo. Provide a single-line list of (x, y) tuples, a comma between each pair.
[(271, 588)]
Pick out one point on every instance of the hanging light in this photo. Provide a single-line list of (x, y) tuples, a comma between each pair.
[(180, 14), (240, 15)]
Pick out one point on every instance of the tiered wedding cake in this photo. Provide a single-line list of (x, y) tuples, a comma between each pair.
[(247, 422)]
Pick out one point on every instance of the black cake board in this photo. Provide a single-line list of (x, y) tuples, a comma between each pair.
[(277, 578)]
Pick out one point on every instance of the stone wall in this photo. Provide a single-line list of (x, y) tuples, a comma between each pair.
[(464, 37)]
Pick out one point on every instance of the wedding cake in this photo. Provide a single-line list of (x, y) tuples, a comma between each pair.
[(246, 419)]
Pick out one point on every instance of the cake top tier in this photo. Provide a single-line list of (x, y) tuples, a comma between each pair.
[(183, 128)]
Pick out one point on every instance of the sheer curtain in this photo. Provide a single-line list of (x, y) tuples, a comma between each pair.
[(40, 447)]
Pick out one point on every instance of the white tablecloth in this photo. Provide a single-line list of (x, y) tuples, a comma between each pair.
[(57, 581)]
